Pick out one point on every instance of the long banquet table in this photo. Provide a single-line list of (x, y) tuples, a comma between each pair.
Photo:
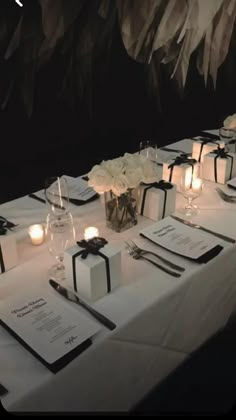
[(160, 319)]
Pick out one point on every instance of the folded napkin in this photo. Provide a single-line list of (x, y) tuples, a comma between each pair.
[(209, 135)]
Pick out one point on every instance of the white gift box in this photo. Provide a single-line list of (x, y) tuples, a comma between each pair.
[(223, 167), (156, 203), (200, 148), (8, 252), (89, 277), (174, 176)]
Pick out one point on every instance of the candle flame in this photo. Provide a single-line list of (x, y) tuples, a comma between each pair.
[(90, 232)]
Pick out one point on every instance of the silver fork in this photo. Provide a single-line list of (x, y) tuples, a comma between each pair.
[(226, 197), (141, 251), (137, 256)]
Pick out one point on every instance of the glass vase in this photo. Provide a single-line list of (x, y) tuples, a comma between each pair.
[(228, 135), (121, 211)]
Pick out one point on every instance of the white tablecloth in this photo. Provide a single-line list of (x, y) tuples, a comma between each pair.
[(160, 319)]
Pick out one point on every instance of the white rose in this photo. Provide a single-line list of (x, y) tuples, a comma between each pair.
[(230, 121), (150, 172), (114, 166), (100, 179), (120, 185), (132, 161), (134, 176), (94, 168)]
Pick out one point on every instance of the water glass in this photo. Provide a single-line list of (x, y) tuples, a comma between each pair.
[(57, 195), (191, 188), (60, 235), (149, 150)]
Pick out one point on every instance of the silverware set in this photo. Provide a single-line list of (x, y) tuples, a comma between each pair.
[(138, 253)]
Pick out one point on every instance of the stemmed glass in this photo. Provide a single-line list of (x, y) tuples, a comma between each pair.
[(57, 194), (191, 187), (149, 150), (60, 235)]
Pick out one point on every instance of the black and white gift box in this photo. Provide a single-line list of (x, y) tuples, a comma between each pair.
[(202, 147), (93, 271), (181, 166), (219, 166), (157, 200)]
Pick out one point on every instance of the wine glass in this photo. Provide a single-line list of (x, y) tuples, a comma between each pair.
[(228, 135), (57, 194), (149, 150), (60, 235), (191, 186)]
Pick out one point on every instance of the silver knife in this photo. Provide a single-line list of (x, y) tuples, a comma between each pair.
[(193, 225), (72, 297)]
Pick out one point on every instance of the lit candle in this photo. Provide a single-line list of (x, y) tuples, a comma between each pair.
[(36, 233), (90, 232), (197, 185)]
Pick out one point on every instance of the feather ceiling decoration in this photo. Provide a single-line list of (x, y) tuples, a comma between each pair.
[(154, 32)]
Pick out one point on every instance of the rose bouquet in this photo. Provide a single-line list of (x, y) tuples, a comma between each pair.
[(118, 179), (230, 122), (120, 174)]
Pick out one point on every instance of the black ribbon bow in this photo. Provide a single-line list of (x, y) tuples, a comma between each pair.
[(222, 154), (203, 143), (5, 225), (161, 185), (91, 246), (179, 160)]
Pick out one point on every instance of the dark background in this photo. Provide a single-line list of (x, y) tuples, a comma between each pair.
[(56, 139)]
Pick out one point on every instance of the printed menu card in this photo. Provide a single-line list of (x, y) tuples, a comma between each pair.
[(51, 329), (183, 240)]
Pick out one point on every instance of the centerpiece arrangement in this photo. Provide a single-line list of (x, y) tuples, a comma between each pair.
[(119, 180)]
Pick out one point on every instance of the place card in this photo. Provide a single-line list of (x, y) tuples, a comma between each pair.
[(183, 240), (79, 192), (52, 330), (79, 189)]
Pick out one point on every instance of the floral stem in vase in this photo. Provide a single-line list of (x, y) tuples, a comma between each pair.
[(118, 179)]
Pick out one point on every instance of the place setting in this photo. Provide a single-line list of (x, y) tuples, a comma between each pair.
[(175, 230), (59, 191), (56, 324)]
